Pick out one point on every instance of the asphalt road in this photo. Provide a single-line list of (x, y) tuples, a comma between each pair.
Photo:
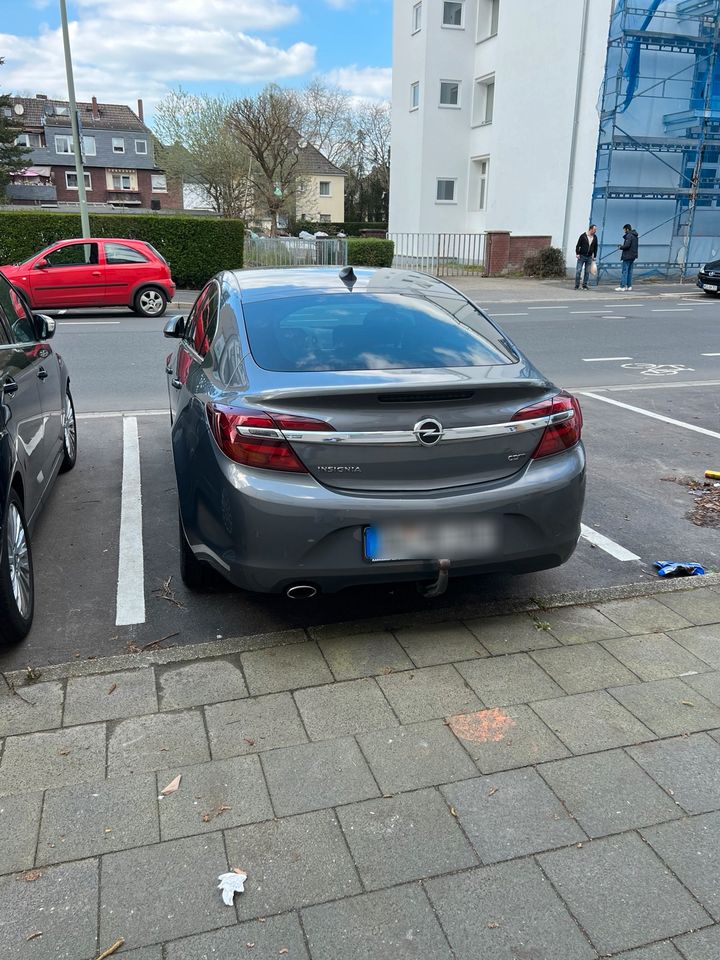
[(656, 353)]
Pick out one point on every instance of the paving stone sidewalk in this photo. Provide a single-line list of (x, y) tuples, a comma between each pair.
[(542, 785)]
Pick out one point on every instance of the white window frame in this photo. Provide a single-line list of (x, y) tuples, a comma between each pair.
[(440, 180), (321, 184), (68, 140), (415, 95), (479, 183), (487, 11), (154, 188), (72, 173), (22, 140), (450, 106), (481, 86), (118, 144), (417, 18), (121, 177), (142, 143), (86, 141), (453, 26)]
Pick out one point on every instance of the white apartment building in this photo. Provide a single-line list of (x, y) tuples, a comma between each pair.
[(495, 122)]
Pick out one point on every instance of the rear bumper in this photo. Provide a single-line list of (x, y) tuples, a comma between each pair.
[(265, 531)]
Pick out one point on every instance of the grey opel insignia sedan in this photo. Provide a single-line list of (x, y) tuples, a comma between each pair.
[(341, 427)]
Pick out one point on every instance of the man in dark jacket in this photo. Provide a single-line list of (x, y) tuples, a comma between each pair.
[(629, 255), (586, 251)]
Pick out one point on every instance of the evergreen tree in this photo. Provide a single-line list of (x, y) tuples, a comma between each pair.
[(13, 158)]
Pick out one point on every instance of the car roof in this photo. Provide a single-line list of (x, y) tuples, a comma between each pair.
[(255, 285), (98, 240)]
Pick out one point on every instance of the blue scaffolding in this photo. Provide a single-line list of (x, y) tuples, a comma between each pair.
[(658, 158)]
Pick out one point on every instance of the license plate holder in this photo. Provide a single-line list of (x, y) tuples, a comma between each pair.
[(713, 287), (457, 539)]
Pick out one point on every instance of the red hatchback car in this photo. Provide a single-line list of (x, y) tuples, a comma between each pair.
[(95, 273)]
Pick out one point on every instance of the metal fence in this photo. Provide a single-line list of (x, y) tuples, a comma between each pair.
[(443, 254), (294, 252)]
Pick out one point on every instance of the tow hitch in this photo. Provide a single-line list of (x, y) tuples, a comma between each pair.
[(439, 586)]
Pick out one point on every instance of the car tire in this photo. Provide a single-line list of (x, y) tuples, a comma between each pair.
[(69, 434), (195, 574), (150, 302), (17, 583)]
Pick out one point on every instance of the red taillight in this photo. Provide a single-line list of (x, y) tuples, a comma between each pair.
[(557, 436), (259, 442)]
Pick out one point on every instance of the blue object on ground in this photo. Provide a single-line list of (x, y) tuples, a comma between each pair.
[(673, 568)]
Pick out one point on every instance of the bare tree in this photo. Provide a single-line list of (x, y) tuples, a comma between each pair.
[(199, 147), (374, 132), (13, 158), (328, 122), (269, 126)]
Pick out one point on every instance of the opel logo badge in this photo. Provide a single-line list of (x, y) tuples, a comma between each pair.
[(428, 432)]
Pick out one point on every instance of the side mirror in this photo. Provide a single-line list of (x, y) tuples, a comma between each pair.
[(174, 327), (41, 264), (45, 326)]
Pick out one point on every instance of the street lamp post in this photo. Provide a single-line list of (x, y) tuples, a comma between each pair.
[(79, 172)]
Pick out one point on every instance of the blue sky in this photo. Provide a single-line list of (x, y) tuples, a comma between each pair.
[(125, 49)]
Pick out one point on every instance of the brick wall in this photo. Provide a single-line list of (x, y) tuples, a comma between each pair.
[(521, 247), (504, 252)]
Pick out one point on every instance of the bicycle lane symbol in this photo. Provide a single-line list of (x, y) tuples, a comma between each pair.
[(659, 369)]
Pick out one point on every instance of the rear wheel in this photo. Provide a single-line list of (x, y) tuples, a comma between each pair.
[(150, 302), (195, 574), (69, 434), (17, 585)]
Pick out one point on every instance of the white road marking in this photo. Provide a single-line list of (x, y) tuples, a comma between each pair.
[(596, 310), (653, 415), (598, 359), (509, 314), (710, 354), (664, 385), (671, 309), (130, 605), (548, 308), (88, 323), (606, 544), (610, 317), (101, 415)]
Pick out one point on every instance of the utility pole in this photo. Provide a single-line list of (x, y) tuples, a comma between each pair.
[(80, 173)]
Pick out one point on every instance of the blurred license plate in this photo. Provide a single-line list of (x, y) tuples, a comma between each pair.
[(710, 286), (454, 540)]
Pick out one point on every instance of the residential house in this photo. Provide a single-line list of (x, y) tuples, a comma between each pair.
[(320, 193), (118, 155)]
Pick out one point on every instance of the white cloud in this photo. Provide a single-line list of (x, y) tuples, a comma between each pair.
[(117, 62), (237, 14), (340, 4), (368, 83)]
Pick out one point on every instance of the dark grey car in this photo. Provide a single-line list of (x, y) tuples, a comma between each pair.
[(332, 429), (37, 439)]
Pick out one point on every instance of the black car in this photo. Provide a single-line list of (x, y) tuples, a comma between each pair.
[(709, 278), (38, 439)]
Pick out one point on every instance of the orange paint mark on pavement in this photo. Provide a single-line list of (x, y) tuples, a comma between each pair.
[(485, 726)]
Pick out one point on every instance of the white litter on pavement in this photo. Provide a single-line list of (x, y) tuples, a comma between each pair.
[(230, 884)]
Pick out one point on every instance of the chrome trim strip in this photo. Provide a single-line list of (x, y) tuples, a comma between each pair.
[(408, 436), (262, 433)]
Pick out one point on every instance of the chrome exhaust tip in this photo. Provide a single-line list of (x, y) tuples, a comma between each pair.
[(301, 591)]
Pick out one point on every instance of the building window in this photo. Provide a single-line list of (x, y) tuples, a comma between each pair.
[(324, 188), (141, 146), (416, 17), (445, 192), (487, 18), (453, 13), (63, 145), (484, 101), (121, 181), (71, 180), (449, 93), (89, 146), (479, 184), (158, 183), (325, 218), (118, 144), (32, 140), (22, 140), (414, 95)]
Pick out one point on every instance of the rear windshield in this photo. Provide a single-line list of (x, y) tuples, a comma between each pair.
[(349, 331)]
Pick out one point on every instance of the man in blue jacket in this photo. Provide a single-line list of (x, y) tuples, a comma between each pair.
[(629, 255), (586, 251)]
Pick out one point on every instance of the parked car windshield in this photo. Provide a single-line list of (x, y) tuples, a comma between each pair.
[(349, 331)]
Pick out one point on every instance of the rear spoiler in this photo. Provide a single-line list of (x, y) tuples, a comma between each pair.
[(280, 394)]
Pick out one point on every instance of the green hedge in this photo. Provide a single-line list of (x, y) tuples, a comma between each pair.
[(195, 247), (548, 262), (350, 228), (370, 252)]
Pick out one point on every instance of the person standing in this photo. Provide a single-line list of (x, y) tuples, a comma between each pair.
[(629, 255), (586, 251)]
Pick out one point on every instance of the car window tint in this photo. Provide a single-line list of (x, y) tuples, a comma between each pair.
[(206, 317), (119, 253), (364, 332), (18, 319), (4, 335), (73, 255)]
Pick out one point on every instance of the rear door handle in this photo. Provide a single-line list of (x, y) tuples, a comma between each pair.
[(42, 374), (176, 383), (168, 369), (96, 273), (9, 387)]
